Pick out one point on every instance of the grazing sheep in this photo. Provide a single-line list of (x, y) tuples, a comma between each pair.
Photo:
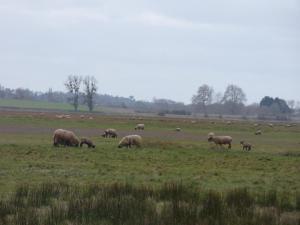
[(246, 146), (271, 125), (110, 133), (228, 122), (220, 140), (178, 129), (140, 126), (130, 140), (88, 142), (258, 132), (82, 116), (65, 137)]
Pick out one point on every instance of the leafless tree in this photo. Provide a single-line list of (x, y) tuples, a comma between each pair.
[(203, 97), (73, 86), (291, 104), (234, 97), (90, 89)]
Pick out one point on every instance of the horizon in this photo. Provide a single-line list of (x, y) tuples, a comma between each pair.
[(153, 49)]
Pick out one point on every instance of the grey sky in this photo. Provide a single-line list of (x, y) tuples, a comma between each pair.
[(152, 48)]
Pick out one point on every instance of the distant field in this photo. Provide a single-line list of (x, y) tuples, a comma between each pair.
[(42, 105)]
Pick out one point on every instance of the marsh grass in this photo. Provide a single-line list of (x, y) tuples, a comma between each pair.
[(121, 203)]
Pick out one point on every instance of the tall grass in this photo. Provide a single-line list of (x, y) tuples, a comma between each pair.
[(171, 204)]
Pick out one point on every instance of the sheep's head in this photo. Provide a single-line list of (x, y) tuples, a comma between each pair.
[(210, 138), (242, 142)]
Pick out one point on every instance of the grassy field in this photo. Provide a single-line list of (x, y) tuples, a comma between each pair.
[(28, 158), (43, 105)]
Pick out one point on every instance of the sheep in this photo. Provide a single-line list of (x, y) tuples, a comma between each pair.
[(220, 140), (228, 122), (110, 133), (82, 116), (65, 137), (130, 140), (88, 142), (271, 125), (258, 132), (246, 146), (178, 129), (140, 126)]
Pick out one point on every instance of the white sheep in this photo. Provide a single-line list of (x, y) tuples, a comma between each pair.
[(140, 126), (130, 140), (220, 140)]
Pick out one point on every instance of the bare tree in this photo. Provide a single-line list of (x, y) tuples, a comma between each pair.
[(90, 88), (73, 86), (291, 104), (234, 97), (203, 97), (234, 94)]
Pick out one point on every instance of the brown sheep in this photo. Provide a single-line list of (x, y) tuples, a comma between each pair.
[(246, 146), (140, 126), (110, 133), (88, 142), (65, 137), (130, 140), (221, 140), (258, 132)]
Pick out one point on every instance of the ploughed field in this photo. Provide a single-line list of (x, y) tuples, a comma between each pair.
[(171, 168)]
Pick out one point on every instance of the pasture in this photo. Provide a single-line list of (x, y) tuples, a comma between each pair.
[(28, 157)]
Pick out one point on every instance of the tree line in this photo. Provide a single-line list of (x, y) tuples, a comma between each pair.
[(233, 102), (83, 91)]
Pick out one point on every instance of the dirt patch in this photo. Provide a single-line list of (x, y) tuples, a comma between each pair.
[(160, 135)]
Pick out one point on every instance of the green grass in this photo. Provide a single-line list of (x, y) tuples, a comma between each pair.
[(175, 178), (30, 158), (15, 103), (44, 105), (170, 204)]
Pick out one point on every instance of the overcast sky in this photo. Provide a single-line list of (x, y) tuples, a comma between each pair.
[(153, 48)]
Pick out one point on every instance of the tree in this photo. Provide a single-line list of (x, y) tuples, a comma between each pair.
[(90, 89), (266, 101), (73, 86), (234, 94), (203, 97), (234, 97)]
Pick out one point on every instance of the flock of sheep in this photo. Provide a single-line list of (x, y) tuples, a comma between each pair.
[(68, 138)]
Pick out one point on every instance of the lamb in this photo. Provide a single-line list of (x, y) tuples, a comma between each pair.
[(130, 140), (65, 137), (140, 126), (220, 140), (88, 142), (110, 133), (258, 132), (246, 146)]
